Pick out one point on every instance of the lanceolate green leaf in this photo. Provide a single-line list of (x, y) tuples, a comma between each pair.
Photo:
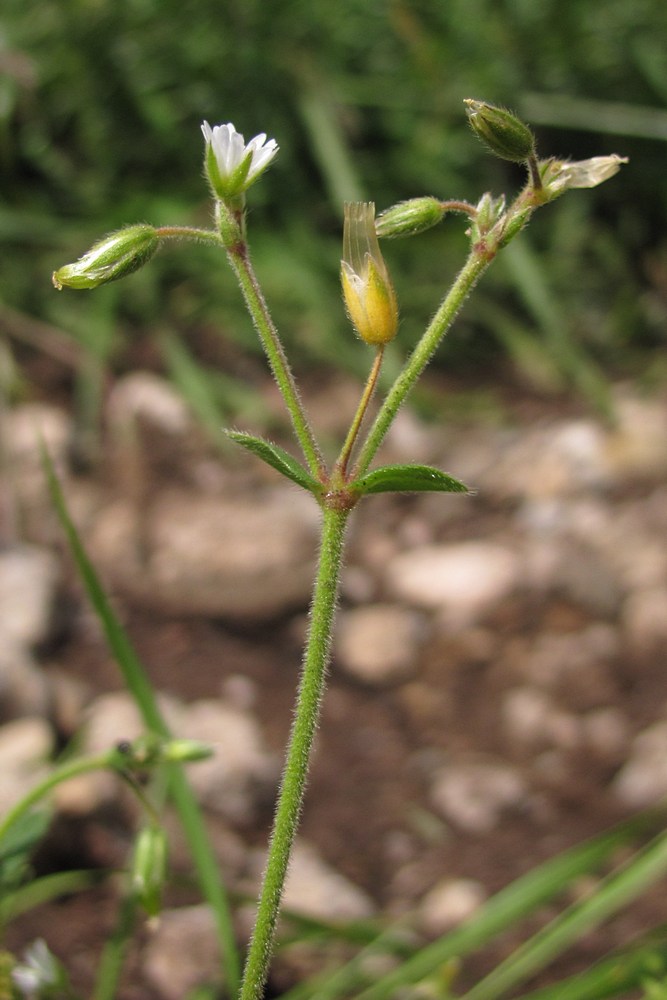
[(408, 479), (278, 459)]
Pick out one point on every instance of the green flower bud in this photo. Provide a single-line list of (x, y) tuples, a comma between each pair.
[(501, 131), (185, 751), (489, 212), (409, 218), (117, 255), (149, 868)]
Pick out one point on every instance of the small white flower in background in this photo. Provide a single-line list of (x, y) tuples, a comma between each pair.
[(40, 971), (232, 164), (561, 176)]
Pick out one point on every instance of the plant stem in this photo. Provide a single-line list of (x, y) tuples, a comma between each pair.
[(189, 233), (239, 258), (475, 265), (366, 396), (293, 786), (100, 762)]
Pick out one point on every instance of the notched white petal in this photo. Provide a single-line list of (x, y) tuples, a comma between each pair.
[(231, 151)]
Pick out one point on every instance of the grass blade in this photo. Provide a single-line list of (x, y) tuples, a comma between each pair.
[(615, 891), (506, 908), (141, 690)]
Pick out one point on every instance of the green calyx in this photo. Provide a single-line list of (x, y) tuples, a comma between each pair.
[(504, 134), (117, 255)]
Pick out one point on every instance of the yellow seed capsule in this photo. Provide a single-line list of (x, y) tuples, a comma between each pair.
[(367, 289)]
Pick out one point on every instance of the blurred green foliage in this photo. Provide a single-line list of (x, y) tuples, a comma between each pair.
[(100, 105)]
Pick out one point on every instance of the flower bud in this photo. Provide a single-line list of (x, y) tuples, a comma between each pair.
[(367, 289), (112, 258), (489, 212), (149, 868), (185, 751), (409, 218), (501, 131)]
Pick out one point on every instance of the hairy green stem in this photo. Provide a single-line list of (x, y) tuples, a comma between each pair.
[(479, 258), (238, 255), (366, 396), (293, 786), (475, 265), (189, 233)]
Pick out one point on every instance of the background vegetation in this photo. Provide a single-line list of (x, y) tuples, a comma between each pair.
[(100, 105)]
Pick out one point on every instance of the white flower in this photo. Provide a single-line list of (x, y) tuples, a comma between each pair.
[(231, 163), (40, 970), (582, 173)]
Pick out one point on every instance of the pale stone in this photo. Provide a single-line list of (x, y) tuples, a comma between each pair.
[(241, 773), (24, 686), (378, 644), (474, 794), (213, 556), (315, 889), (642, 782), (461, 581), (183, 951), (448, 904), (25, 747), (145, 396), (531, 717), (28, 581), (644, 618)]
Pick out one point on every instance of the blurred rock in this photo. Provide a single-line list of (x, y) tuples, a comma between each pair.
[(195, 554), (644, 619), (605, 732), (239, 778), (379, 644), (144, 396), (460, 581), (642, 782), (24, 688), (26, 429), (28, 582), (636, 446), (315, 889), (474, 794), (577, 666), (25, 748), (241, 775), (448, 904), (530, 717), (182, 951), (548, 461)]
